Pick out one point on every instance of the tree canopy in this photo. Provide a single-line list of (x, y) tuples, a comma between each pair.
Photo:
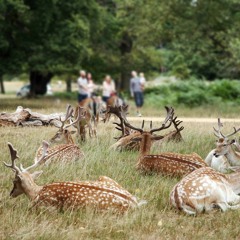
[(182, 37)]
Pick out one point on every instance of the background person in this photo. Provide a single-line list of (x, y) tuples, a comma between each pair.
[(136, 89), (91, 85), (142, 80), (82, 86), (108, 88)]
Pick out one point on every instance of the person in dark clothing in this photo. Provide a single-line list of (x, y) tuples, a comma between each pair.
[(136, 89)]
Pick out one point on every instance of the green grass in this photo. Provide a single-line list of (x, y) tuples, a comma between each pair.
[(156, 220)]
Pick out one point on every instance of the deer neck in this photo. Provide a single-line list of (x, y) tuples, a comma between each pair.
[(145, 145), (69, 139), (33, 191), (233, 157)]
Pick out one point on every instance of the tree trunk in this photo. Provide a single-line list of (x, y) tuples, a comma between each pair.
[(69, 84), (2, 85), (125, 49), (39, 82)]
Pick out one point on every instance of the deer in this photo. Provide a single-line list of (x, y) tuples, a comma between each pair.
[(102, 194), (205, 189), (223, 157), (168, 163), (125, 141), (85, 121), (112, 103), (67, 151), (94, 105)]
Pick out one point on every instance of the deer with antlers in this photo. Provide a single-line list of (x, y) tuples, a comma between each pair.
[(125, 141), (67, 151), (223, 157), (173, 164), (205, 189), (103, 194)]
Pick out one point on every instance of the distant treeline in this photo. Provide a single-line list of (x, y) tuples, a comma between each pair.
[(183, 38)]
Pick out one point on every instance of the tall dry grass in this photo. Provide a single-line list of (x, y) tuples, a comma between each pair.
[(156, 220)]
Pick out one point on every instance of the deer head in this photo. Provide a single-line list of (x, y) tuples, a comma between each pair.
[(147, 137), (223, 144), (63, 134), (24, 181)]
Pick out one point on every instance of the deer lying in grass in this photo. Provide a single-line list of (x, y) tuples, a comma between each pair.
[(67, 151), (204, 189), (103, 194), (223, 157), (173, 164), (126, 142)]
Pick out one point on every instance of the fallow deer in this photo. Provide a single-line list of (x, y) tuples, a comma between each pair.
[(204, 189), (223, 157), (67, 151), (87, 120), (125, 141), (173, 164), (225, 148), (103, 194)]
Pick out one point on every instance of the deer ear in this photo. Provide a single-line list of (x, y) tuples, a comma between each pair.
[(72, 132), (232, 141), (156, 137), (136, 139), (36, 174)]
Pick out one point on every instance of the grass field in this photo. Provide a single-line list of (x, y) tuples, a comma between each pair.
[(156, 220)]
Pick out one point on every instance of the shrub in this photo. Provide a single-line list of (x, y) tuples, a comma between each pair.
[(194, 93)]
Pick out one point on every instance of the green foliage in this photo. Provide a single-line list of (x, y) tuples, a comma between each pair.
[(194, 93)]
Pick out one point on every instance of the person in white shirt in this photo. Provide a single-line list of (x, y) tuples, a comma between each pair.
[(108, 88), (91, 85), (82, 86)]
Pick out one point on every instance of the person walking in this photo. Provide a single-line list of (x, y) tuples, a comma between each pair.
[(108, 88), (82, 86), (136, 89)]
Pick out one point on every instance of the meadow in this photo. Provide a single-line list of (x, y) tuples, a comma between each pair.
[(156, 220)]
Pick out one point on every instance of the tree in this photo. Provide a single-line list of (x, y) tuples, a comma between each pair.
[(13, 19)]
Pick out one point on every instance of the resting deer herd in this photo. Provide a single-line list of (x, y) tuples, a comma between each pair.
[(204, 185)]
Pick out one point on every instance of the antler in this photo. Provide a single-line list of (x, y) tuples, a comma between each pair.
[(14, 156), (132, 127), (45, 146), (176, 123), (79, 115), (69, 112), (219, 134), (120, 112), (229, 135), (170, 113)]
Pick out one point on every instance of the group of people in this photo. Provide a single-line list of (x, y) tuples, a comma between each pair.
[(87, 88)]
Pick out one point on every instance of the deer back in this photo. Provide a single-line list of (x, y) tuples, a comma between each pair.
[(172, 164), (60, 153), (201, 190), (103, 194)]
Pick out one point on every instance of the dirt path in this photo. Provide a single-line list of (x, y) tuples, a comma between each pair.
[(193, 120)]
